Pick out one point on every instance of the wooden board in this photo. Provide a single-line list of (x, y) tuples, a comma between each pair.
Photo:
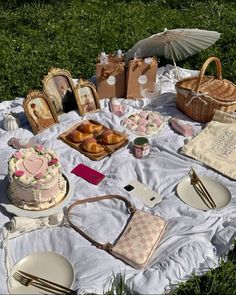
[(108, 148)]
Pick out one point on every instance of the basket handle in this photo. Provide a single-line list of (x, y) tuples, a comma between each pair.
[(106, 246), (203, 69)]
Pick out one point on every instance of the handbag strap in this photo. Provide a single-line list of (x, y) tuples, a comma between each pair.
[(203, 69), (107, 246)]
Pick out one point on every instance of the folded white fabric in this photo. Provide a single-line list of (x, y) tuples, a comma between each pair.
[(5, 105), (19, 225)]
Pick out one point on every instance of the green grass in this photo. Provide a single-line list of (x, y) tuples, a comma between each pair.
[(36, 35), (221, 280)]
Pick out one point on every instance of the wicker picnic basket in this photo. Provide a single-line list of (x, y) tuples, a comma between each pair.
[(199, 97)]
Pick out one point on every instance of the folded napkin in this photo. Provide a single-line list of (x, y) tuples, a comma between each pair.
[(215, 146), (19, 225)]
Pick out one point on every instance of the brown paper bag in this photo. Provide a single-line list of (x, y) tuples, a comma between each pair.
[(111, 78), (139, 73)]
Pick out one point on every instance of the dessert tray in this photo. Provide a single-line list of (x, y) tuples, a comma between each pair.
[(59, 269), (145, 123), (107, 149), (11, 208)]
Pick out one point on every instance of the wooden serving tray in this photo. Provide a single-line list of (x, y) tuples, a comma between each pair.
[(109, 148)]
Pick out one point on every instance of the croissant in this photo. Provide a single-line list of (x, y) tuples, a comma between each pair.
[(92, 146), (77, 136), (90, 127), (111, 138)]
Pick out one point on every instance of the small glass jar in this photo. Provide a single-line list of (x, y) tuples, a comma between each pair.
[(116, 107), (141, 147)]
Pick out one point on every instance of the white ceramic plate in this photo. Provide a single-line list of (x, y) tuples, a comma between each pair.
[(218, 191), (43, 213), (48, 265)]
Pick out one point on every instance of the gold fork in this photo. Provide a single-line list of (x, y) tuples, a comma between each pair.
[(49, 287), (201, 189), (27, 282)]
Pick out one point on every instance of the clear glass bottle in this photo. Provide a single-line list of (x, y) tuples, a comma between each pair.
[(119, 54), (116, 107), (103, 58)]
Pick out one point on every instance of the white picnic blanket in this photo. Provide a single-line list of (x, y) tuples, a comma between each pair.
[(194, 240)]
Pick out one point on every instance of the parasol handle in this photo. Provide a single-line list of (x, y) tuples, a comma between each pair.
[(203, 69), (173, 58)]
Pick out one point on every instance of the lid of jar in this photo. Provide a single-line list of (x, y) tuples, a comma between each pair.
[(140, 141)]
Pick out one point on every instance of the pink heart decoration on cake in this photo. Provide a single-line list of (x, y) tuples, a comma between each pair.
[(33, 166)]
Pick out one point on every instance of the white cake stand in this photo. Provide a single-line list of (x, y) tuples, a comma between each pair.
[(11, 208)]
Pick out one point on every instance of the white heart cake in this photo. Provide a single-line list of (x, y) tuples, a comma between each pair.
[(35, 177)]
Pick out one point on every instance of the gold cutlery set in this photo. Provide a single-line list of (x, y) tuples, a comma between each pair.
[(200, 189), (50, 287)]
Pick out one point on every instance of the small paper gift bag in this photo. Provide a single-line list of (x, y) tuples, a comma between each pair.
[(111, 78), (139, 73)]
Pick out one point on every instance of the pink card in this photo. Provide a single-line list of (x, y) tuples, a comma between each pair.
[(88, 174)]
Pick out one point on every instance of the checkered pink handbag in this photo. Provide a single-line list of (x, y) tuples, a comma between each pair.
[(137, 241)]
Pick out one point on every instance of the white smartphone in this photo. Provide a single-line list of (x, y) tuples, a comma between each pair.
[(149, 197)]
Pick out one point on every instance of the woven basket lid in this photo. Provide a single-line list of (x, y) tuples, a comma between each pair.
[(216, 87)]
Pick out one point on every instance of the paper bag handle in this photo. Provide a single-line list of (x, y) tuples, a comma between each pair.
[(203, 69), (105, 73), (107, 246)]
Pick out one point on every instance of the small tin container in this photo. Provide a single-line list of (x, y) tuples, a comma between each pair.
[(141, 147)]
